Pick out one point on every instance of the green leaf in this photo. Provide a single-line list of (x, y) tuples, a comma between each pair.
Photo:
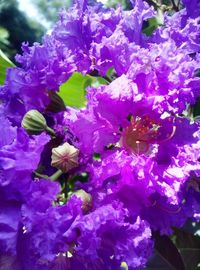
[(97, 81), (166, 256), (4, 35), (191, 257), (189, 247), (73, 90), (4, 64), (153, 23), (196, 110)]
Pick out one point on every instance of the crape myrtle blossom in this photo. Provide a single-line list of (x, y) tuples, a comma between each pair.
[(183, 27), (133, 141), (164, 72), (42, 233), (145, 159), (70, 48), (18, 158), (45, 67)]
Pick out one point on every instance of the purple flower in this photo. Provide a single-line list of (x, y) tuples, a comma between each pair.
[(8, 133), (192, 7), (19, 156), (18, 160), (143, 153), (183, 27), (135, 142), (75, 44), (108, 231), (9, 224)]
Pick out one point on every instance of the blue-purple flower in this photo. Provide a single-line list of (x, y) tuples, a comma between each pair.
[(128, 162)]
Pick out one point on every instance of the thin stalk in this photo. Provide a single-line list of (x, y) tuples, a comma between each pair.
[(50, 131), (56, 175), (44, 176)]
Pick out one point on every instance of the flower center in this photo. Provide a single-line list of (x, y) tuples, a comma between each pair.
[(138, 137)]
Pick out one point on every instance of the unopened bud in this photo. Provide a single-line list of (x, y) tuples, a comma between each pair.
[(56, 103), (34, 122), (86, 199), (65, 157)]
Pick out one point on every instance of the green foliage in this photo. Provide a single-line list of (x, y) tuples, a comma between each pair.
[(195, 111), (166, 255), (181, 252), (126, 5), (73, 90), (50, 9), (4, 41), (4, 64), (189, 246), (16, 28), (153, 23), (4, 36)]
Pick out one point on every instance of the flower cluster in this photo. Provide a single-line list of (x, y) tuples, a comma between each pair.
[(128, 163)]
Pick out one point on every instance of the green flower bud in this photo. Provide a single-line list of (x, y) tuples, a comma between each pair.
[(86, 199), (34, 122)]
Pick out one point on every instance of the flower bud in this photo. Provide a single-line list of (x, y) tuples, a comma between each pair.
[(86, 199), (65, 157), (34, 122), (56, 103)]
